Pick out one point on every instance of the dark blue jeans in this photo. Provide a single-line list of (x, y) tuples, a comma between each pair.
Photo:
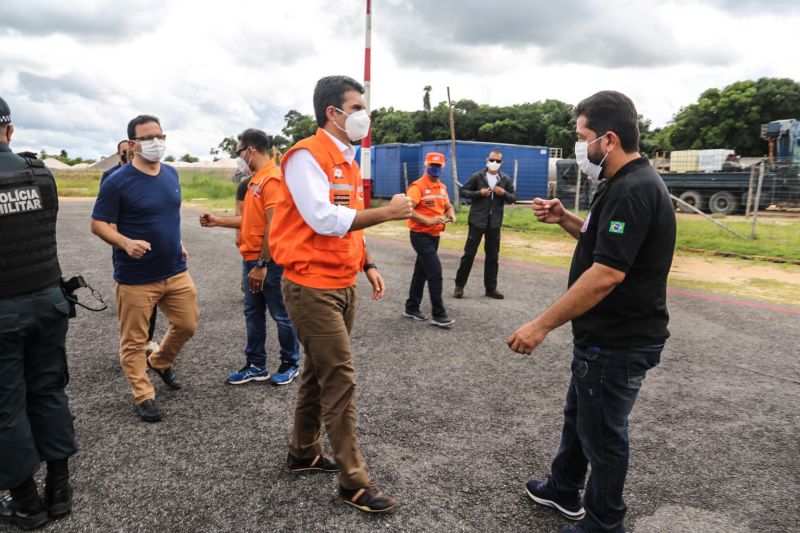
[(255, 317), (427, 268), (601, 394)]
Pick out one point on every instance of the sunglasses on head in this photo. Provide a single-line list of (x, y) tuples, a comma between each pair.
[(495, 160)]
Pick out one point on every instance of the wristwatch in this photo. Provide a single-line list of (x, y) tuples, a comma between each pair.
[(262, 263), (367, 266)]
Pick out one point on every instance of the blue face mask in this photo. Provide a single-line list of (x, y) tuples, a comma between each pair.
[(434, 171)]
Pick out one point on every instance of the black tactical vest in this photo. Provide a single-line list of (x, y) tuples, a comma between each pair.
[(28, 210)]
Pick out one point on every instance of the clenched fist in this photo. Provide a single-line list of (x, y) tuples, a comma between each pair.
[(400, 207), (548, 211)]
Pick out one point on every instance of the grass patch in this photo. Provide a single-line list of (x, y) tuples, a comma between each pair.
[(212, 189), (755, 289), (775, 237)]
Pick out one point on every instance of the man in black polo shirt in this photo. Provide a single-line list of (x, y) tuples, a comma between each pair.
[(617, 304)]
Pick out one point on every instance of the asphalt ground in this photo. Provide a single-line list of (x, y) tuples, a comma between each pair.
[(450, 421)]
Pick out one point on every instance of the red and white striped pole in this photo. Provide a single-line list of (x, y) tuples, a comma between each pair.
[(366, 142)]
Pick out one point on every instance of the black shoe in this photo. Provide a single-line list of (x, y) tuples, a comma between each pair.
[(497, 295), (569, 505), (167, 376), (459, 292), (58, 499), (319, 463), (28, 517), (368, 499), (416, 315), (148, 411), (442, 321), (577, 528)]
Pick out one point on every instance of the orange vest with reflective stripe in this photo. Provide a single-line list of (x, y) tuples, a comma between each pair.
[(432, 199), (254, 216), (310, 259)]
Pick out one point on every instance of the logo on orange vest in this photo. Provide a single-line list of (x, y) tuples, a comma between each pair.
[(341, 199), (427, 191), (337, 173)]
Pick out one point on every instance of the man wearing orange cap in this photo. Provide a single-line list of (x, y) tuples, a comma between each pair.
[(432, 210)]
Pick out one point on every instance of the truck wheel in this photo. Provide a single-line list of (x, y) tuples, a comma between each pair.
[(693, 198), (722, 203)]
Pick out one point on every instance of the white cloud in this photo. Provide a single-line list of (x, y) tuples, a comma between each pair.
[(74, 74)]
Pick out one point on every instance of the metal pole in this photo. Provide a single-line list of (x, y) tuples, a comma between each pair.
[(405, 174), (578, 190), (516, 170), (366, 142), (456, 196), (758, 199), (693, 208), (749, 203)]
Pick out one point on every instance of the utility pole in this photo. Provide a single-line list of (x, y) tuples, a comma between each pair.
[(456, 196), (366, 142)]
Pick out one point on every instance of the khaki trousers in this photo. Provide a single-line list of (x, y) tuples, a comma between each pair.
[(176, 297), (323, 320)]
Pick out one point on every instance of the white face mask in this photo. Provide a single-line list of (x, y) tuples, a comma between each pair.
[(242, 166), (582, 158), (153, 150), (356, 126), (494, 167)]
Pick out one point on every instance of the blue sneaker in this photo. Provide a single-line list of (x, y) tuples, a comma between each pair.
[(569, 505), (248, 373), (285, 374)]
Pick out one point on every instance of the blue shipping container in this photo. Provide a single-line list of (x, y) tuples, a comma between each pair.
[(387, 168), (471, 157), (387, 165)]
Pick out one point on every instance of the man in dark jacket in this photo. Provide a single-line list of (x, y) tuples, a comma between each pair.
[(489, 190), (122, 153)]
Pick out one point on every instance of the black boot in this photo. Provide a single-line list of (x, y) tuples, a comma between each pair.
[(57, 490), (23, 507)]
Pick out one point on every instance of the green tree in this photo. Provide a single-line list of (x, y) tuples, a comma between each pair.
[(226, 146), (169, 159), (189, 158), (298, 126), (426, 98), (732, 117), (390, 126)]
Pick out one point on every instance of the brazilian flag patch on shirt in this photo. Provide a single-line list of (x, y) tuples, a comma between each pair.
[(617, 227)]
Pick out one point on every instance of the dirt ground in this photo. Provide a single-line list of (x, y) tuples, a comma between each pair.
[(757, 280)]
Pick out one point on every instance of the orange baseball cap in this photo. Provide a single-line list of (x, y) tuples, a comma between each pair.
[(435, 158)]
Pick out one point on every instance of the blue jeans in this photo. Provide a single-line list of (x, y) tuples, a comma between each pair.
[(255, 318), (602, 391), (427, 268)]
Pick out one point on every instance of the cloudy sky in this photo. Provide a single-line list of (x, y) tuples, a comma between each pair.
[(75, 72)]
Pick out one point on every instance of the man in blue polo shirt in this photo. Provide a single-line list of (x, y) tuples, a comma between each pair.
[(138, 212)]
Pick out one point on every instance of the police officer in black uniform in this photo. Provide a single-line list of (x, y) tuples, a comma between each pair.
[(35, 421)]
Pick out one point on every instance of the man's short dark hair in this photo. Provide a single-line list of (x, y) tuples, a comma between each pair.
[(495, 152), (330, 91), (612, 111), (120, 144), (254, 138), (138, 121)]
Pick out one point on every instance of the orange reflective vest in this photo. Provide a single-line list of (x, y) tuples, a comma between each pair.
[(310, 259), (431, 200), (263, 193)]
